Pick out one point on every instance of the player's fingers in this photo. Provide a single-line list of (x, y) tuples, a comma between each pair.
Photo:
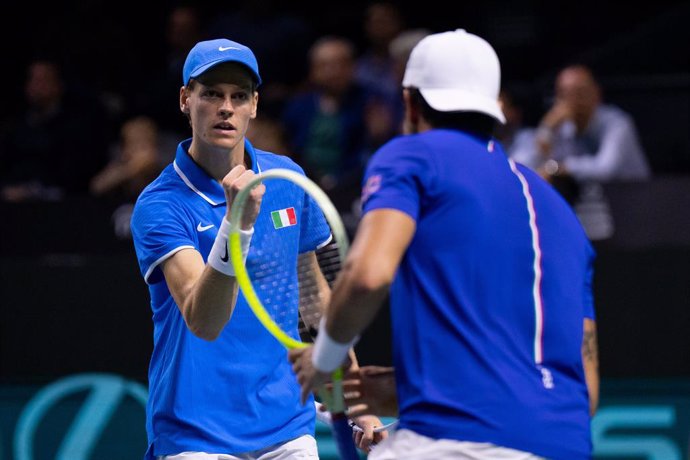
[(366, 438), (293, 355), (353, 397), (233, 175), (352, 387), (243, 179), (380, 436), (357, 409), (258, 191), (358, 436)]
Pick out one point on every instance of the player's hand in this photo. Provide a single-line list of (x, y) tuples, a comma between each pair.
[(560, 112), (308, 376), (367, 438), (370, 390), (232, 183)]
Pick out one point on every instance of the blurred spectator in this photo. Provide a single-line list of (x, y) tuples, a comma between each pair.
[(517, 138), (587, 139), (584, 143), (375, 67), (184, 27), (325, 123), (136, 160), (58, 141), (400, 49), (267, 133), (278, 37), (134, 164)]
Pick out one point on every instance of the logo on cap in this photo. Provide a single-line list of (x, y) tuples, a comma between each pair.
[(207, 54)]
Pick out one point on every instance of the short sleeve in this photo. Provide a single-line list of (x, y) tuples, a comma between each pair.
[(396, 176), (159, 230), (314, 231)]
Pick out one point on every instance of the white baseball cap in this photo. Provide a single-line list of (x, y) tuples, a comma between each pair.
[(456, 72)]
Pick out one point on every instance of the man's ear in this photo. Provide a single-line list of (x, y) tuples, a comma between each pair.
[(256, 104), (411, 120), (184, 98)]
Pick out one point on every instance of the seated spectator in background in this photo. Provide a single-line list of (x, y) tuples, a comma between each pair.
[(384, 114), (516, 137), (325, 124), (184, 27), (584, 143), (375, 66), (400, 48), (135, 163), (137, 159), (58, 142), (586, 138), (267, 133)]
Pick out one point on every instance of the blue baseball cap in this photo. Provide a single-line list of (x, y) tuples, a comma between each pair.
[(209, 53)]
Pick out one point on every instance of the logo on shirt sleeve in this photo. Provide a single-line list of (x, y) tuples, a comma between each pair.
[(284, 218), (372, 185)]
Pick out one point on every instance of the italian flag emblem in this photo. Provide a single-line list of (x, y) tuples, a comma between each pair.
[(284, 218)]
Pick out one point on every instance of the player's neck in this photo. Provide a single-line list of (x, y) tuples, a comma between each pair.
[(217, 162)]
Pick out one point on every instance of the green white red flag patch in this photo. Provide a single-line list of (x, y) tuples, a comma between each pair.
[(284, 218)]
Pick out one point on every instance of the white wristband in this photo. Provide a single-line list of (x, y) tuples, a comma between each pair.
[(219, 257), (328, 354)]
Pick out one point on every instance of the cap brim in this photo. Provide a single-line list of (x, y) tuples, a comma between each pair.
[(454, 100), (204, 68)]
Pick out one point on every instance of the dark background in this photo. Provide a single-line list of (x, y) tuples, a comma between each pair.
[(71, 296), (639, 53)]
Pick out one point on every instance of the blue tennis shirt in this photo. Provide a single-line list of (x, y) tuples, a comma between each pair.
[(237, 393), (489, 300)]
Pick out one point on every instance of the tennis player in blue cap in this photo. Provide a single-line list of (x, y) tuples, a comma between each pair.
[(220, 385), (489, 273)]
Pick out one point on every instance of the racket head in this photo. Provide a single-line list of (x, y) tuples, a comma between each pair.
[(273, 287), (268, 288)]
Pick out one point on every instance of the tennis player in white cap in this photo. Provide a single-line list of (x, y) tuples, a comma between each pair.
[(489, 273)]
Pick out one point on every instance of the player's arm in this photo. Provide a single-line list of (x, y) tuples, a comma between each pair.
[(315, 277), (205, 297), (309, 274), (382, 237), (590, 359), (206, 293)]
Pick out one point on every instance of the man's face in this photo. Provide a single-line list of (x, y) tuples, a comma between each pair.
[(332, 67), (577, 89), (43, 85), (220, 104)]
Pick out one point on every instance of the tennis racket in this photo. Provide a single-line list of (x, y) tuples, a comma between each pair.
[(325, 417), (288, 293)]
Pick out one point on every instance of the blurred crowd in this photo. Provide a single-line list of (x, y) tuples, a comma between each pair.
[(327, 101)]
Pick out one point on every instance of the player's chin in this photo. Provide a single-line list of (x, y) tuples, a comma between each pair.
[(225, 139)]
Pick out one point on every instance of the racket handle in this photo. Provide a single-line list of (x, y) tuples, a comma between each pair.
[(342, 434), (340, 424)]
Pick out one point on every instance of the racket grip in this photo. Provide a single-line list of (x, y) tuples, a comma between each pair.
[(342, 434)]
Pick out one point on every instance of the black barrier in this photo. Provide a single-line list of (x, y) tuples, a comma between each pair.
[(73, 299)]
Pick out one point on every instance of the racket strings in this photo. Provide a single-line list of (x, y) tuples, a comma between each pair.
[(276, 284), (314, 288), (296, 294)]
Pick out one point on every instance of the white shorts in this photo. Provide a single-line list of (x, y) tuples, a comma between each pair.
[(408, 445), (302, 448)]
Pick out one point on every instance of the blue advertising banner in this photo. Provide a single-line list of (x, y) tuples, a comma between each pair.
[(101, 416)]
